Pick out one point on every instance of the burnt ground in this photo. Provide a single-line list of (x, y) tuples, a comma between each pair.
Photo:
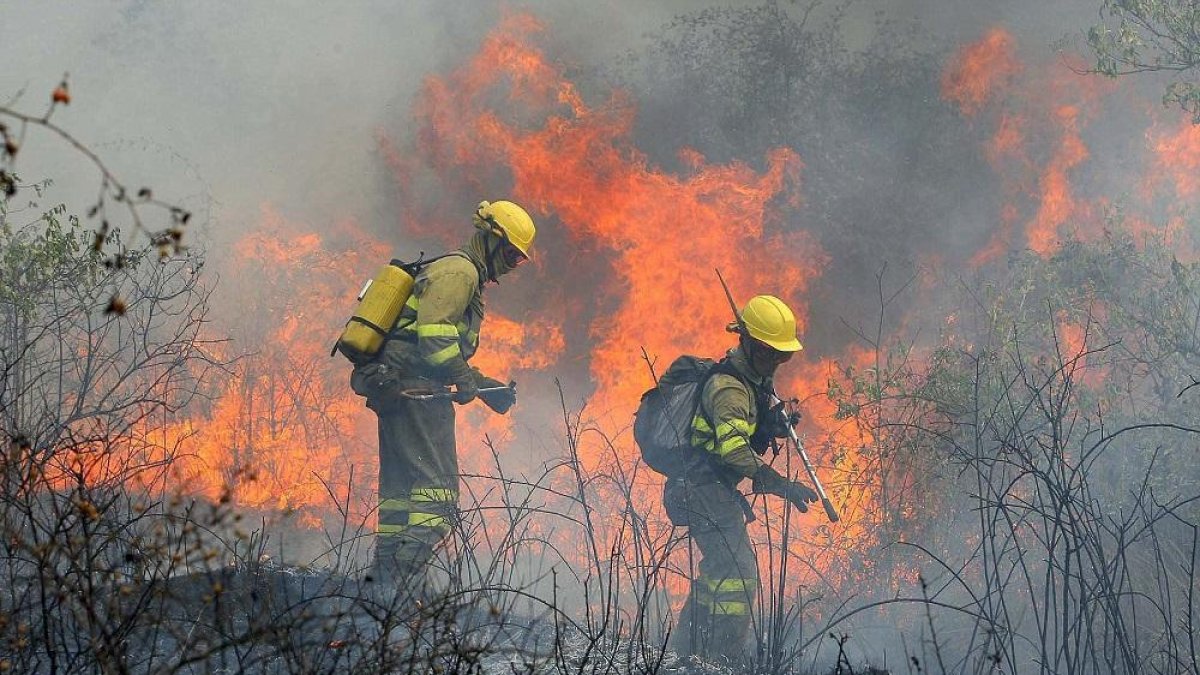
[(284, 620)]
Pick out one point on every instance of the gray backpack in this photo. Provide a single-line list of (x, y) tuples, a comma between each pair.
[(662, 426)]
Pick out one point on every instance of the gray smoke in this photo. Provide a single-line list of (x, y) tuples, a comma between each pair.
[(226, 106)]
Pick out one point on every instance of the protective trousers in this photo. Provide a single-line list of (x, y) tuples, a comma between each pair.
[(418, 484), (716, 617)]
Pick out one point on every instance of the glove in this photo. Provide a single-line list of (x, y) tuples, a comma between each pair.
[(372, 379), (774, 423), (777, 422), (501, 400), (771, 482), (800, 495), (465, 391), (768, 481)]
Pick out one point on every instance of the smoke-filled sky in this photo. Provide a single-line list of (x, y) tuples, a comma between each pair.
[(230, 108), (260, 113), (239, 109), (245, 103)]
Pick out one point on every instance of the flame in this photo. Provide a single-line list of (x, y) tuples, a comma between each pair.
[(1177, 158), (1175, 151), (1057, 203), (661, 233), (981, 71), (280, 428), (1042, 108), (521, 346), (1075, 336), (629, 251)]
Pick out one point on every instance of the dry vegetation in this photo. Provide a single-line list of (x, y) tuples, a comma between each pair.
[(1038, 510), (1052, 424)]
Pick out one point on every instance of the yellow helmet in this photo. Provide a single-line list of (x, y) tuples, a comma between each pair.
[(770, 321), (514, 223)]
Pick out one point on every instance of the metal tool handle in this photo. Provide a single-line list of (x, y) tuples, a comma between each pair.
[(830, 512), (426, 395)]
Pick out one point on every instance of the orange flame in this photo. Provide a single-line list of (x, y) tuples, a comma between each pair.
[(663, 232), (1177, 158), (1051, 106), (280, 428), (658, 234), (1057, 202), (981, 71)]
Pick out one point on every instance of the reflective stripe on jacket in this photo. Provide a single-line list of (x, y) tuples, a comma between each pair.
[(727, 418), (443, 316)]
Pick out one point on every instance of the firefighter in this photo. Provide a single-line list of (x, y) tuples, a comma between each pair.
[(428, 349), (733, 426)]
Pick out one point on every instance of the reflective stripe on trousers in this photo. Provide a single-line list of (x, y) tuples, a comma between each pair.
[(425, 507), (725, 597)]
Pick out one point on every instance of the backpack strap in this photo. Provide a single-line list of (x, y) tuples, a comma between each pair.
[(414, 268), (760, 395), (722, 367)]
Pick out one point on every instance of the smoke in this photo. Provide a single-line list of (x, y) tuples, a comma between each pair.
[(310, 113), (247, 104)]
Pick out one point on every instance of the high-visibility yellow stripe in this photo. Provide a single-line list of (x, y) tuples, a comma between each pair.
[(394, 505), (437, 330), (443, 355), (702, 432), (729, 445), (433, 494), (730, 585), (727, 437), (390, 530), (734, 426), (412, 302), (430, 520), (473, 338)]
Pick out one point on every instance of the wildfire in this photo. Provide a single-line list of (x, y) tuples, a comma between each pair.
[(624, 267), (637, 244), (1177, 158), (1042, 108), (981, 71)]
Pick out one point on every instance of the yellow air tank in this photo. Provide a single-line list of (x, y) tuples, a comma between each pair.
[(380, 302)]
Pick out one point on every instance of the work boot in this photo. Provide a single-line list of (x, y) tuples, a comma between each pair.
[(400, 571), (727, 639), (691, 633)]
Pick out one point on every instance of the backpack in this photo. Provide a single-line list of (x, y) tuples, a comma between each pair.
[(662, 425)]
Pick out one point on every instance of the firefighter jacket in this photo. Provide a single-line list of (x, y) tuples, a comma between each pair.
[(437, 331), (442, 319), (727, 418)]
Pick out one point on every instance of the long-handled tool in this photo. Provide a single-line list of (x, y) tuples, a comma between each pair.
[(430, 395), (775, 400), (808, 467)]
